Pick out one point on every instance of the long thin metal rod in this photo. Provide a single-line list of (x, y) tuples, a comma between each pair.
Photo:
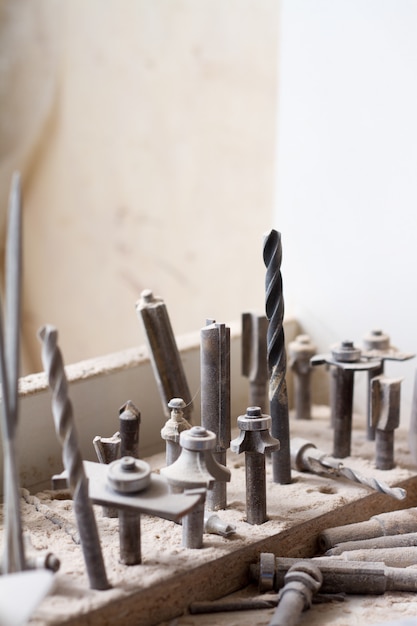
[(277, 358), (73, 463), (13, 557)]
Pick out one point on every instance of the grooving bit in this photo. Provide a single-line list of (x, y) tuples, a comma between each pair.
[(385, 418), (277, 359), (302, 581), (107, 450), (165, 357), (13, 554), (348, 359), (352, 577), (254, 358), (255, 440), (377, 345), (77, 480), (129, 424), (300, 351), (306, 457), (391, 523), (215, 398)]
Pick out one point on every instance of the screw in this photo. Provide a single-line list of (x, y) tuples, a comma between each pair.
[(277, 358), (301, 350), (254, 440), (173, 428)]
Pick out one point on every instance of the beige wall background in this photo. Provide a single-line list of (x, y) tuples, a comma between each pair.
[(145, 132)]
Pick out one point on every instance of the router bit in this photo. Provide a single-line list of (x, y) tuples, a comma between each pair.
[(306, 457), (129, 424), (352, 577), (13, 552), (107, 450), (215, 398), (385, 418), (300, 351), (277, 358), (173, 428), (412, 432), (254, 358), (195, 469), (78, 483), (165, 357), (386, 541), (404, 556), (255, 440), (347, 359), (390, 523), (377, 345), (301, 582)]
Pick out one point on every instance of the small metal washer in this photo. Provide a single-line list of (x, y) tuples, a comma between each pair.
[(129, 475), (266, 571)]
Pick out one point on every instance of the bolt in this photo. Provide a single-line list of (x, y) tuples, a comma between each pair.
[(195, 468), (347, 359), (300, 351), (129, 423), (173, 428), (254, 440), (129, 475)]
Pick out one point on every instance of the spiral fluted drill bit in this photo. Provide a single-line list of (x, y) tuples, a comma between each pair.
[(306, 457), (277, 358), (73, 463)]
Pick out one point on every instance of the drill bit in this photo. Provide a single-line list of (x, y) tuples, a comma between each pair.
[(306, 457), (73, 463), (277, 359)]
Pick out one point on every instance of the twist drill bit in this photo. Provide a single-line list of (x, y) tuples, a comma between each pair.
[(306, 457), (73, 463), (277, 359)]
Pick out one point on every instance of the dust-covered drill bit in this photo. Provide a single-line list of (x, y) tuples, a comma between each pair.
[(306, 457), (71, 455), (277, 358)]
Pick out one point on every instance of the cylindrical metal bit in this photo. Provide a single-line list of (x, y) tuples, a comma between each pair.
[(73, 463), (108, 450), (129, 424), (173, 428), (277, 359), (254, 358), (386, 541), (165, 357), (385, 418), (302, 581), (306, 457), (300, 351), (215, 398)]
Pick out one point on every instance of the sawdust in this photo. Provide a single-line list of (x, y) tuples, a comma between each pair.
[(49, 525)]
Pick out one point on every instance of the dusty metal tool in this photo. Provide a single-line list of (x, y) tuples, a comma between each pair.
[(255, 440), (301, 582), (215, 399), (165, 357), (129, 424), (155, 499), (195, 468), (352, 577), (391, 523), (172, 429), (385, 418), (347, 359), (265, 601), (13, 553), (254, 358), (66, 432), (393, 557), (412, 432), (300, 351), (129, 475), (306, 457), (107, 450), (277, 358), (216, 526), (376, 344), (386, 541)]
